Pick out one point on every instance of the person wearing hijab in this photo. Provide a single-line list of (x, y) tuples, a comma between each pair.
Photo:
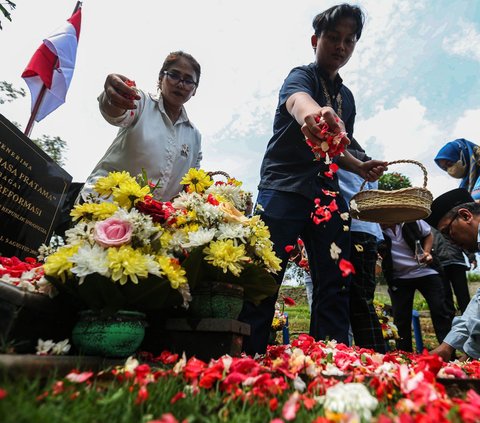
[(461, 159)]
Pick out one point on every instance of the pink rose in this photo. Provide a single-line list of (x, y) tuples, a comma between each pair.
[(113, 232)]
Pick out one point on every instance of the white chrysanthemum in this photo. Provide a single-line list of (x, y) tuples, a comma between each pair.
[(80, 232), (344, 215), (153, 266), (233, 231), (350, 398), (179, 239), (230, 192), (201, 237), (144, 230), (90, 260)]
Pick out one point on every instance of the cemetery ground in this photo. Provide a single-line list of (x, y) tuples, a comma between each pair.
[(122, 395)]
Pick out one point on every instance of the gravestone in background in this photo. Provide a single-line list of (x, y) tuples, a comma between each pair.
[(32, 190)]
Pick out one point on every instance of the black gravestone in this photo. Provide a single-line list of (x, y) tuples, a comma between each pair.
[(32, 190)]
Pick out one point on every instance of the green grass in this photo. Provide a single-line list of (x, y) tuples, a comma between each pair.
[(299, 315), (108, 400)]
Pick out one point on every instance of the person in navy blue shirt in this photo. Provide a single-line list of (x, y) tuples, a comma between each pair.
[(291, 179)]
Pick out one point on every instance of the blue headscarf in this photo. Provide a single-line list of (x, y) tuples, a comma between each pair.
[(471, 153)]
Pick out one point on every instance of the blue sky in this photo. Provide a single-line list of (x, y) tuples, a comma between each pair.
[(414, 73)]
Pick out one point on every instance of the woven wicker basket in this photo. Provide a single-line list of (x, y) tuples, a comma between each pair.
[(402, 205)]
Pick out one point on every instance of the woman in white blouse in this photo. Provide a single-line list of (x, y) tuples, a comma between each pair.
[(155, 132)]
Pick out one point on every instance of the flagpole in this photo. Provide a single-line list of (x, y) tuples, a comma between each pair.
[(31, 121)]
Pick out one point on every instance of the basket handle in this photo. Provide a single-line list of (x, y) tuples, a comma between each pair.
[(218, 172), (425, 179)]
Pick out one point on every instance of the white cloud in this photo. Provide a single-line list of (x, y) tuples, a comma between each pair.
[(464, 42)]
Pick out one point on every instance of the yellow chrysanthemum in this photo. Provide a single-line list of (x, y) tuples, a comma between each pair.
[(260, 231), (197, 180), (93, 211), (129, 192), (104, 186), (191, 227), (233, 181), (270, 259), (226, 255), (58, 264), (125, 262), (173, 271), (165, 239)]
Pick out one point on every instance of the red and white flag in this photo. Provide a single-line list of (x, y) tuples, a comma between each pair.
[(52, 65)]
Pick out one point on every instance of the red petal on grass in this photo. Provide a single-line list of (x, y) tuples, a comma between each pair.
[(166, 418), (178, 396), (142, 395), (3, 393), (77, 377)]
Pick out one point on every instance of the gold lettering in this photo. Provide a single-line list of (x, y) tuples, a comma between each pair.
[(19, 200)]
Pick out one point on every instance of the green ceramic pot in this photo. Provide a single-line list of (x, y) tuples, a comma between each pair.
[(119, 335), (216, 300)]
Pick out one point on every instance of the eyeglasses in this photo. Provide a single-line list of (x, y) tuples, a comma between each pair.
[(175, 78), (446, 230)]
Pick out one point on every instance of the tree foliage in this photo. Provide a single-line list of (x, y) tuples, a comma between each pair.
[(393, 181), (8, 93), (55, 147), (3, 8)]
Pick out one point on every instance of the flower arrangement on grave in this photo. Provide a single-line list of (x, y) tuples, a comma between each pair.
[(130, 251), (114, 257), (389, 329), (280, 317), (214, 239)]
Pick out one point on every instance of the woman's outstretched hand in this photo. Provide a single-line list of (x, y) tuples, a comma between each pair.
[(120, 93)]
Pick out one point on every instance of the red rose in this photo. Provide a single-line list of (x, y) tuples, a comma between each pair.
[(158, 211)]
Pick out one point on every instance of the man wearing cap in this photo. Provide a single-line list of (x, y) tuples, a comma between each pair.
[(457, 216)]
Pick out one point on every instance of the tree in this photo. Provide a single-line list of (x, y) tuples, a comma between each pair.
[(10, 93), (54, 146), (393, 181), (6, 13)]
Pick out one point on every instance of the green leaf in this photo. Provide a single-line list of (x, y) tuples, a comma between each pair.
[(150, 294), (101, 293), (257, 283), (194, 265)]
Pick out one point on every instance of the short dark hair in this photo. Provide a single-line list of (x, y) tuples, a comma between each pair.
[(173, 57), (473, 208), (328, 19)]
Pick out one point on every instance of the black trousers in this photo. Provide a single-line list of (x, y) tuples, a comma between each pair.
[(367, 332), (288, 216), (455, 276), (401, 293)]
